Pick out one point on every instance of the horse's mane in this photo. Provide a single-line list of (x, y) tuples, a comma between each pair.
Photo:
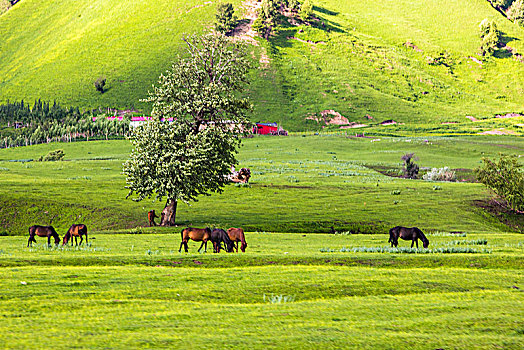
[(423, 237)]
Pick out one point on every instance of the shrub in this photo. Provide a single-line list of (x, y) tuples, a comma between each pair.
[(4, 6), (505, 178), (440, 58), (100, 83), (225, 18), (52, 156), (293, 5), (440, 174), (489, 35), (410, 168), (501, 3), (516, 12), (306, 10)]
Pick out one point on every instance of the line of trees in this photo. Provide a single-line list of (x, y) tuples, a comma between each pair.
[(21, 125)]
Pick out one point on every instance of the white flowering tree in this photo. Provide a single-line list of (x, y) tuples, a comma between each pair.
[(191, 156)]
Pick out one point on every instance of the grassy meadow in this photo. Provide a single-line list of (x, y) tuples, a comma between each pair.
[(299, 184), (136, 291)]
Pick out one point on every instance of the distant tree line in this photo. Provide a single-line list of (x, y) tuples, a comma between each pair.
[(21, 125)]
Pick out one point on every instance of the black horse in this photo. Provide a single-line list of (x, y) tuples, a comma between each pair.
[(42, 231), (219, 236), (412, 234)]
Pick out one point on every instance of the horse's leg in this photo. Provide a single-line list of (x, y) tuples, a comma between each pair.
[(412, 242), (180, 249), (202, 246), (81, 239), (236, 245), (30, 241), (86, 238), (48, 240), (416, 242)]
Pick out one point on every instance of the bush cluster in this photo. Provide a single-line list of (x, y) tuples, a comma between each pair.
[(440, 174), (490, 37), (505, 178)]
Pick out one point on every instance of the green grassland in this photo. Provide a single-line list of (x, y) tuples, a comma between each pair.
[(356, 63), (299, 184), (135, 291)]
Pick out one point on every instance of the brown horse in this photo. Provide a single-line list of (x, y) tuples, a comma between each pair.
[(196, 234), (151, 215), (76, 230), (412, 234), (42, 231), (237, 235)]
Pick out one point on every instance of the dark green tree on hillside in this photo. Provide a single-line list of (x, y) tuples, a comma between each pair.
[(516, 12), (225, 18), (503, 4), (306, 10), (490, 37), (267, 17), (191, 156)]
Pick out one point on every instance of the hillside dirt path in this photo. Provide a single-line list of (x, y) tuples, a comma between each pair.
[(244, 30)]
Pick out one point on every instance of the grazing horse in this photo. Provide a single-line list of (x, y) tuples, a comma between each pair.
[(237, 235), (42, 231), (412, 234), (217, 237), (196, 234), (151, 217), (76, 230)]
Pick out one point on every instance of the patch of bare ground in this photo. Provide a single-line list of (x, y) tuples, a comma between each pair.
[(509, 115), (353, 125), (244, 30), (498, 132), (473, 119), (513, 220), (412, 46)]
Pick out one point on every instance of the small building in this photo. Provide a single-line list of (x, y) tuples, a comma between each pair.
[(266, 128)]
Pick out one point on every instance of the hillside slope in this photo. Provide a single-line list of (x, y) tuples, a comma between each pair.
[(367, 61), (57, 49)]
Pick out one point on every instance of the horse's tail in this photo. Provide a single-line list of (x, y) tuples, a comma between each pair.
[(391, 234)]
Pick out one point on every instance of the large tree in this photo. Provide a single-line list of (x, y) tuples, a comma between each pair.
[(192, 155)]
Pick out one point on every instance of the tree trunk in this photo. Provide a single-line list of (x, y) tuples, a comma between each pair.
[(169, 213)]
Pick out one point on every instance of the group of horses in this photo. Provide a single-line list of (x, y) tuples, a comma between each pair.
[(217, 236), (75, 231)]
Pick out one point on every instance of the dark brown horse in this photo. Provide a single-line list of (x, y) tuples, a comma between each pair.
[(42, 231), (412, 234), (151, 215), (76, 230), (237, 235), (196, 234), (219, 236)]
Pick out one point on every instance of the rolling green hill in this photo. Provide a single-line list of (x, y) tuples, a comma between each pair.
[(361, 59)]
